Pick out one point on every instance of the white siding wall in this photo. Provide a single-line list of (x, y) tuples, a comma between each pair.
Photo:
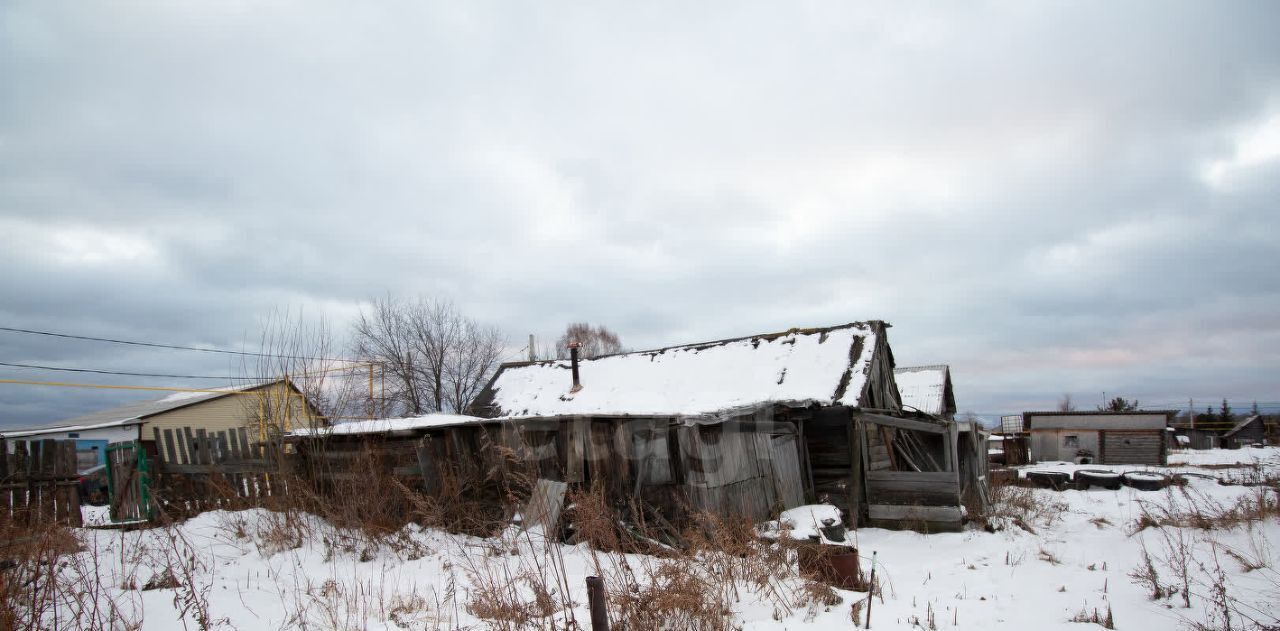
[(117, 434)]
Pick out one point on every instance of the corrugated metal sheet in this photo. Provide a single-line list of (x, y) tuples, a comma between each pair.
[(924, 388)]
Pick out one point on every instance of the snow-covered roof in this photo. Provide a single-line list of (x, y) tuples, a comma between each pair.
[(378, 426), (19, 433), (801, 366), (925, 388)]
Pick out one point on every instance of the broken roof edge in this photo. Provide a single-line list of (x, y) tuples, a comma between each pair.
[(712, 343), (945, 367)]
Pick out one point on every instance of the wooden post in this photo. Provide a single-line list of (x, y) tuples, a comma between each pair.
[(855, 437), (21, 490), (599, 606), (871, 589), (49, 475), (73, 487), (35, 468), (6, 478)]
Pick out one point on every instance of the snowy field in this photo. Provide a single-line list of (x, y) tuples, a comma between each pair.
[(1047, 558)]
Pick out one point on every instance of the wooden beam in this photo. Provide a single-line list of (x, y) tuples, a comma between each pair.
[(901, 423)]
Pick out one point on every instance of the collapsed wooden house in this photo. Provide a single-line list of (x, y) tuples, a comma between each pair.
[(745, 426)]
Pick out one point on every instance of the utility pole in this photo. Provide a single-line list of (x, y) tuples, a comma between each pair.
[(1191, 411), (533, 356)]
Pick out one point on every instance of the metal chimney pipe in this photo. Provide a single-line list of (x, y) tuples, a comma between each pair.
[(573, 356)]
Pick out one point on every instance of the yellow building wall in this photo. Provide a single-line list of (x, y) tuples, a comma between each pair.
[(275, 405)]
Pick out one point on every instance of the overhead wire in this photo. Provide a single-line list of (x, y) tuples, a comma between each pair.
[(124, 373), (171, 346)]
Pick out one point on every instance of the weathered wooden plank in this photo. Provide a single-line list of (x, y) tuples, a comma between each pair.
[(904, 485), (931, 477), (430, 476), (908, 498), (6, 475), (857, 484), (544, 506), (202, 446), (785, 462), (623, 456), (22, 494), (576, 451), (35, 469), (167, 448), (187, 446), (234, 441), (73, 492), (915, 513), (48, 469)]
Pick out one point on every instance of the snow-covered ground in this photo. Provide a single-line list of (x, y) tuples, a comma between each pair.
[(1054, 556)]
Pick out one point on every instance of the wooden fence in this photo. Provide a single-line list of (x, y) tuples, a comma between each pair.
[(199, 470), (39, 482)]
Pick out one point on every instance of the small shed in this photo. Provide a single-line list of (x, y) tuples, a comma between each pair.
[(1249, 431), (1196, 438), (1099, 437)]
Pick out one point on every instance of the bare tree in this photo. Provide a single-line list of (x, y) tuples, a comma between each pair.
[(594, 341), (315, 387), (385, 335), (1064, 404), (437, 359)]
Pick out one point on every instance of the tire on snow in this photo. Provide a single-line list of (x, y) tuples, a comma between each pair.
[(1145, 480), (1086, 478), (1055, 480)]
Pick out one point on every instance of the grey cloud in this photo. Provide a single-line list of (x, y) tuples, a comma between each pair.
[(1003, 183)]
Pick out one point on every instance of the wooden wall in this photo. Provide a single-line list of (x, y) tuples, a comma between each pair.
[(747, 467), (1146, 447)]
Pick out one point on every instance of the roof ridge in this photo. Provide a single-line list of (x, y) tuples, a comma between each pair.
[(946, 367), (700, 345)]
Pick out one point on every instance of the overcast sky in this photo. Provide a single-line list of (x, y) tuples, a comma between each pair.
[(1051, 198)]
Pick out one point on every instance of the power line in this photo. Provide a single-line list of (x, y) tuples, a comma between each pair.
[(60, 384), (170, 346), (127, 374)]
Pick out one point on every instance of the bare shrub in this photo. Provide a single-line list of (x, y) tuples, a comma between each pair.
[(1085, 615), (1189, 508), (186, 566), (1146, 575), (53, 579), (1024, 507), (673, 595)]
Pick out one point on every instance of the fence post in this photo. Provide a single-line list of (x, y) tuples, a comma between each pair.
[(599, 606)]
